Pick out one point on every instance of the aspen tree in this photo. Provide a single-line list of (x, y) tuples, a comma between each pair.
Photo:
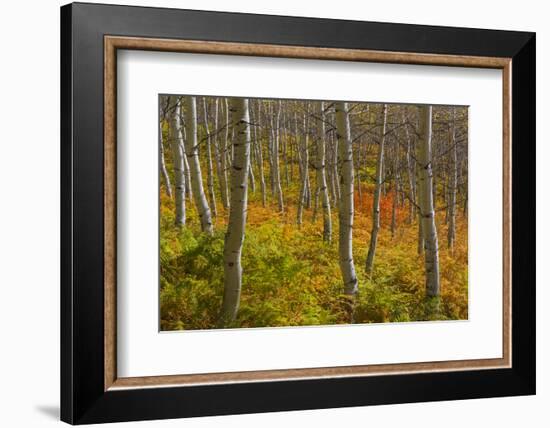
[(209, 167), (345, 213), (187, 171), (234, 236), (410, 172), (395, 187), (332, 178), (163, 170), (224, 192), (418, 169), (376, 197), (285, 150), (453, 185), (192, 153), (321, 175), (270, 144), (251, 173), (251, 178), (335, 166), (177, 160), (304, 161), (297, 141), (218, 150), (275, 160), (425, 198), (259, 156)]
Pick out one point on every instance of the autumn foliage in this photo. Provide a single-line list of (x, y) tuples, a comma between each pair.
[(292, 278)]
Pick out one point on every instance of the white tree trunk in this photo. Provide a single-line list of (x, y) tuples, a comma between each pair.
[(425, 197), (209, 167), (251, 178), (163, 169), (331, 161), (270, 112), (260, 157), (177, 159), (410, 173), (395, 188), (336, 172), (418, 171), (296, 140), (192, 153), (234, 236), (188, 190), (453, 185), (304, 162), (376, 199), (284, 133), (217, 148), (308, 185), (345, 213), (275, 159), (322, 177), (223, 159)]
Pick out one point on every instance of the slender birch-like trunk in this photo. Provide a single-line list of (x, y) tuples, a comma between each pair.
[(260, 156), (299, 141), (224, 192), (297, 145), (410, 174), (376, 198), (187, 172), (163, 170), (383, 179), (275, 160), (270, 144), (308, 184), (234, 236), (192, 152), (209, 167), (251, 178), (330, 175), (331, 171), (418, 170), (177, 160), (359, 189), (285, 152), (188, 189), (395, 189), (218, 152), (304, 160), (453, 186), (336, 172), (321, 176), (425, 197), (345, 213)]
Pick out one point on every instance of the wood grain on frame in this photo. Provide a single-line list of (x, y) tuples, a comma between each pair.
[(109, 197), (112, 43), (507, 212)]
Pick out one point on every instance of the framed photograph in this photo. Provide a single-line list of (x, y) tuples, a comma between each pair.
[(267, 213)]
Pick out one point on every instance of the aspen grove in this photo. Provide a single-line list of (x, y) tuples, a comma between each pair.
[(290, 212)]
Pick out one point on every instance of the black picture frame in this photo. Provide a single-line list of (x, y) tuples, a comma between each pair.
[(83, 398)]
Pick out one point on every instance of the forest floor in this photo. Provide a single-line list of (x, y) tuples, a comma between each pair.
[(292, 278)]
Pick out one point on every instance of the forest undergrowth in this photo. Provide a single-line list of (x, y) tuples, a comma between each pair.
[(292, 278)]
